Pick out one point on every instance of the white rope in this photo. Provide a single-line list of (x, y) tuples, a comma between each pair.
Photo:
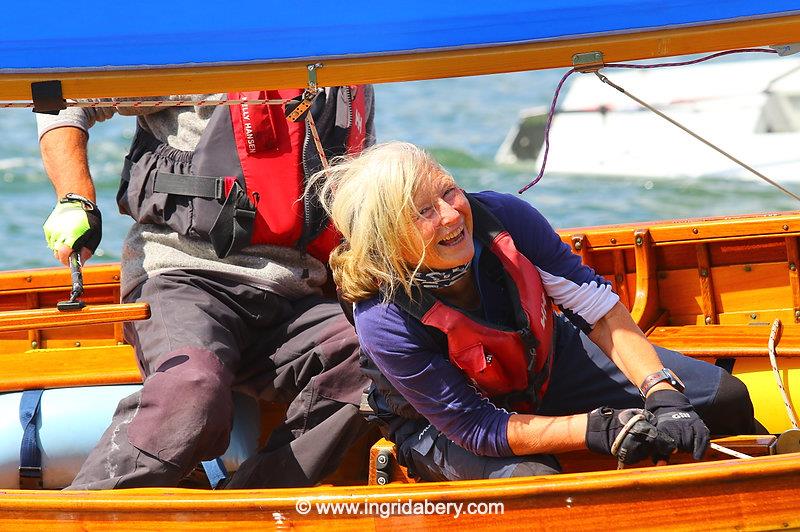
[(729, 452), (776, 327), (149, 103), (621, 436)]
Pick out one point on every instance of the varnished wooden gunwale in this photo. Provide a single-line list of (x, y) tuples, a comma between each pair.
[(695, 271), (385, 68), (760, 493), (708, 229)]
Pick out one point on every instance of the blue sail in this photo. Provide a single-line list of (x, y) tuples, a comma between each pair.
[(102, 35)]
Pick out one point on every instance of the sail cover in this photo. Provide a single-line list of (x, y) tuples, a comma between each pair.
[(102, 35)]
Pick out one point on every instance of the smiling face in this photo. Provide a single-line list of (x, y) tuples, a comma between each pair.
[(443, 220)]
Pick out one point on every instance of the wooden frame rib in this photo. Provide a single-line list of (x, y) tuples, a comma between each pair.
[(34, 335), (621, 278), (706, 285), (645, 304), (793, 259), (580, 246), (408, 67)]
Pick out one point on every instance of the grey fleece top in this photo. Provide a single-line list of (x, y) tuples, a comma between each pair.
[(149, 250)]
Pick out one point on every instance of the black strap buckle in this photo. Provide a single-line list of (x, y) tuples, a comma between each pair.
[(47, 97), (30, 478), (233, 227), (219, 188), (528, 338)]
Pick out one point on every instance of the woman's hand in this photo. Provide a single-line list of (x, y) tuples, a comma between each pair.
[(630, 435), (675, 416)]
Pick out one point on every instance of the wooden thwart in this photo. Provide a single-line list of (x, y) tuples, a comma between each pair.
[(68, 367), (725, 340), (22, 320)]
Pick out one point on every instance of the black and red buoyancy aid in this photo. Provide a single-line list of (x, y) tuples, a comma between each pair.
[(244, 183), (501, 361)]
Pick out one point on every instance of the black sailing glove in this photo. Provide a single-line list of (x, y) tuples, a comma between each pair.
[(675, 416), (630, 435)]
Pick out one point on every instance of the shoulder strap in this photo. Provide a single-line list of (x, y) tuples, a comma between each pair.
[(486, 228), (420, 302), (485, 225)]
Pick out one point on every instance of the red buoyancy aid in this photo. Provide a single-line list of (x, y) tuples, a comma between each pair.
[(245, 181), (270, 149), (499, 361)]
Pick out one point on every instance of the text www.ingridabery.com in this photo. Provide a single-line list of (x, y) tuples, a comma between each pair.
[(399, 507)]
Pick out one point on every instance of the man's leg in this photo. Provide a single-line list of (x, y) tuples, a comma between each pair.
[(314, 364), (188, 354)]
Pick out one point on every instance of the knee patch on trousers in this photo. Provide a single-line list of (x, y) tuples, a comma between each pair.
[(186, 409)]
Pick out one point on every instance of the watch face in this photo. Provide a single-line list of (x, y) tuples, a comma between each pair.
[(673, 379)]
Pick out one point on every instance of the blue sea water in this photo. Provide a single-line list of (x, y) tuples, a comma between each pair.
[(461, 120)]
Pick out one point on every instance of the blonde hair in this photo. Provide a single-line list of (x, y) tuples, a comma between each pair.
[(369, 198)]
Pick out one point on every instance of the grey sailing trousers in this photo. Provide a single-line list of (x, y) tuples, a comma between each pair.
[(206, 337)]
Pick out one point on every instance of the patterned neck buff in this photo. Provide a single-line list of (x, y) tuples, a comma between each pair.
[(442, 278)]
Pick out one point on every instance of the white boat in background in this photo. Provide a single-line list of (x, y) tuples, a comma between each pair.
[(749, 108)]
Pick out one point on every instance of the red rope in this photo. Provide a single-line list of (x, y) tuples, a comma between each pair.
[(547, 130)]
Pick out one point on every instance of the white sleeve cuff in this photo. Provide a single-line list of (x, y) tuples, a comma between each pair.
[(591, 301)]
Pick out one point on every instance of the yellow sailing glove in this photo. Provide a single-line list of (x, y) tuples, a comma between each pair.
[(75, 222)]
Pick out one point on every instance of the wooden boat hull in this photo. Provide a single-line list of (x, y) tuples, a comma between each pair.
[(745, 495), (710, 288)]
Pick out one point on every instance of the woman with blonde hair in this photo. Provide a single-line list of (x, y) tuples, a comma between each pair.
[(474, 375)]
